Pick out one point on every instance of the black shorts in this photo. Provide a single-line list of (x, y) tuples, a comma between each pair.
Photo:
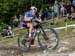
[(25, 24), (15, 24), (73, 7), (69, 11), (35, 25)]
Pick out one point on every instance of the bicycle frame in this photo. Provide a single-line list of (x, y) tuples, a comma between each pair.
[(38, 32), (41, 29)]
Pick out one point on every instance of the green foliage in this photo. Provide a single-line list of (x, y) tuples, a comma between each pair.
[(66, 1), (10, 8)]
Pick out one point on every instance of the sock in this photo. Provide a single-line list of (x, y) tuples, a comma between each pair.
[(29, 34)]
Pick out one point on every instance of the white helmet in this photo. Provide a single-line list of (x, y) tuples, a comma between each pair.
[(33, 8)]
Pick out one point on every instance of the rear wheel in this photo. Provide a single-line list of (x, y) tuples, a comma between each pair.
[(48, 39), (23, 44)]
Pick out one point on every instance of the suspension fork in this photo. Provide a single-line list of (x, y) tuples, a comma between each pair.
[(44, 33), (34, 33)]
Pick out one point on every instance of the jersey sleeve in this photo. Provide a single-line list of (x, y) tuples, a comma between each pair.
[(27, 15)]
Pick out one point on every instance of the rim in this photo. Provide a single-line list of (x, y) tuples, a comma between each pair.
[(51, 42), (23, 44)]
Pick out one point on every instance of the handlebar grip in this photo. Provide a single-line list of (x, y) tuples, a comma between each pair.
[(33, 20)]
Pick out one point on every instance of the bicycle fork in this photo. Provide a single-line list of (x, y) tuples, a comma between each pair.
[(44, 34)]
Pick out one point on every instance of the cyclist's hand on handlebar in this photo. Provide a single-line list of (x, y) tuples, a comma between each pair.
[(38, 20), (32, 19)]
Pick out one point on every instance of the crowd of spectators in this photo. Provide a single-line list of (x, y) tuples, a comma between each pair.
[(55, 11), (58, 9)]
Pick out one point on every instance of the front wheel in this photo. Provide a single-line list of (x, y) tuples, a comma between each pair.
[(48, 39)]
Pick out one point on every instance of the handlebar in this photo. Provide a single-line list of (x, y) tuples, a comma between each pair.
[(42, 22)]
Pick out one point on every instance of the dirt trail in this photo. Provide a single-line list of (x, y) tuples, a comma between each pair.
[(11, 49), (65, 47), (15, 51)]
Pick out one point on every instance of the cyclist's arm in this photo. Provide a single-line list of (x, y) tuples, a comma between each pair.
[(39, 20), (27, 17)]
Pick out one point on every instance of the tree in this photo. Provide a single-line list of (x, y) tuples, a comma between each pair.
[(10, 8)]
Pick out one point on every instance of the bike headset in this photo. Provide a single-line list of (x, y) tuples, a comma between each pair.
[(33, 8)]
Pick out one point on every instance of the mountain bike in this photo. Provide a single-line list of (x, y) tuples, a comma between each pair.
[(47, 38)]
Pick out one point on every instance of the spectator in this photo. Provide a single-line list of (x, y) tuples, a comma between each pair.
[(7, 31), (46, 13), (73, 16), (73, 9), (21, 21), (61, 9), (41, 14), (51, 10), (56, 12), (69, 12), (16, 22), (73, 4), (56, 9)]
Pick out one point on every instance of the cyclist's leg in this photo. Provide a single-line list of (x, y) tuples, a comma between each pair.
[(30, 29), (34, 30)]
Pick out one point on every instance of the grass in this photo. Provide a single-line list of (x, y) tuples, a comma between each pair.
[(63, 35), (61, 23)]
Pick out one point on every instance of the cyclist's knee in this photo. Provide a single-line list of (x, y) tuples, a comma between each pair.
[(31, 26)]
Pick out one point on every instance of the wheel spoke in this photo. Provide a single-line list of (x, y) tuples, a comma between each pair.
[(52, 40), (23, 43)]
